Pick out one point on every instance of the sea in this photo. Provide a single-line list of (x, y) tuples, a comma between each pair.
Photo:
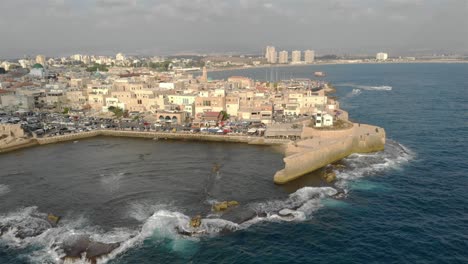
[(406, 204)]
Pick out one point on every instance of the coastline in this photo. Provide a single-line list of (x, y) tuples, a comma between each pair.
[(31, 142), (336, 63)]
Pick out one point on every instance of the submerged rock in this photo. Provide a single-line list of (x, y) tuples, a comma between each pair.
[(31, 227), (81, 245), (196, 221), (75, 246), (53, 219), (241, 215), (96, 250), (191, 232), (330, 176), (3, 229), (338, 166), (223, 206)]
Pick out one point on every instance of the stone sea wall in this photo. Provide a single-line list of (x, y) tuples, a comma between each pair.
[(159, 135), (325, 148), (17, 144)]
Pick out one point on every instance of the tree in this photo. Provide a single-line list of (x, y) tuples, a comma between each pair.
[(118, 112), (223, 116), (96, 67)]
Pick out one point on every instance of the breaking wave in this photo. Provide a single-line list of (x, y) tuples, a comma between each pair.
[(362, 165), (111, 181), (354, 92), (29, 229), (368, 87)]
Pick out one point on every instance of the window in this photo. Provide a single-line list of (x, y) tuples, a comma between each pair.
[(139, 101), (206, 103)]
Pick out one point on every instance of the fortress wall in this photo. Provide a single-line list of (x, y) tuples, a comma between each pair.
[(309, 132), (309, 160), (17, 145), (69, 137)]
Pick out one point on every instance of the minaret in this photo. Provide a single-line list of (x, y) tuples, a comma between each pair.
[(204, 77)]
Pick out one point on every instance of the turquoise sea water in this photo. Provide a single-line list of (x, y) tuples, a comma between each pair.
[(406, 205)]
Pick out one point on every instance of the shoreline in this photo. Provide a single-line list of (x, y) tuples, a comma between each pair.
[(335, 63), (251, 140)]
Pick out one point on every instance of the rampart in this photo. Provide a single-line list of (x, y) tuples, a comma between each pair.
[(325, 147), (161, 135)]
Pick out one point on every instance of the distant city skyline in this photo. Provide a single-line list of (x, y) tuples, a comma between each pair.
[(142, 27)]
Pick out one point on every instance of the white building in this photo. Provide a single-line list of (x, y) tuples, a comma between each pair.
[(120, 57), (327, 120), (309, 56), (381, 56), (283, 57), (296, 56), (76, 57), (41, 59), (323, 120), (270, 54)]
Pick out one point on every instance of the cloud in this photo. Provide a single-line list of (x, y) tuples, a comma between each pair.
[(93, 26)]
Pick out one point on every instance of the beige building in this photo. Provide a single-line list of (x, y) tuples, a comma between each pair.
[(41, 59), (309, 56), (173, 117), (232, 105), (209, 104), (283, 57), (305, 103), (241, 82), (296, 56), (271, 54)]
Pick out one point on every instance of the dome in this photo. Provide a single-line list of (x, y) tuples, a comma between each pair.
[(37, 66)]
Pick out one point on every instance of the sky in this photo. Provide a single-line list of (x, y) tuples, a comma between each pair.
[(161, 27)]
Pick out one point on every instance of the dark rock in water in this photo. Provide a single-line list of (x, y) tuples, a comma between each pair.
[(239, 215), (75, 246), (30, 227), (3, 229), (98, 249), (185, 232), (329, 176), (340, 194)]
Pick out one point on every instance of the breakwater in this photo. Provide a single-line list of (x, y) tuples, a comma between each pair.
[(322, 147), (139, 134), (161, 135)]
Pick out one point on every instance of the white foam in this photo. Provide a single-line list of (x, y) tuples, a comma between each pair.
[(142, 210), (111, 182), (360, 165), (4, 189), (368, 87)]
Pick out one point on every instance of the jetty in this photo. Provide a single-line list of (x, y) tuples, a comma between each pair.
[(319, 147)]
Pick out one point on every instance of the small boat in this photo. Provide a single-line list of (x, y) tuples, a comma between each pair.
[(319, 74)]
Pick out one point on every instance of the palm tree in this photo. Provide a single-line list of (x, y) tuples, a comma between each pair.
[(223, 116)]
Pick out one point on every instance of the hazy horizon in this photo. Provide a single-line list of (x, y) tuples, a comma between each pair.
[(145, 27)]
